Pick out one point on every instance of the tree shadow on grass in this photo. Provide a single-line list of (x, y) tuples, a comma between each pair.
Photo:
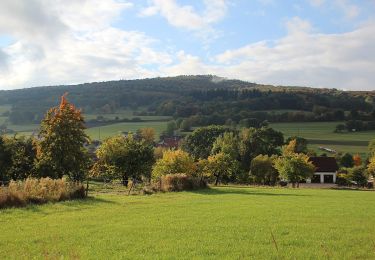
[(68, 205), (230, 190)]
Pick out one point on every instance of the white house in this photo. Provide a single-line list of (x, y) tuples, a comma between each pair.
[(325, 170)]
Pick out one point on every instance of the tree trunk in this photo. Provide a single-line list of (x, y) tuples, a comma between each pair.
[(293, 184), (217, 181), (87, 188), (125, 181)]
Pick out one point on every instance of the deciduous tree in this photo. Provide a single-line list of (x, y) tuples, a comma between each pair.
[(263, 170), (294, 168), (60, 150), (124, 158), (173, 162)]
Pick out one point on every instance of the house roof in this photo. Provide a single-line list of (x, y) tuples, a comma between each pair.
[(324, 164)]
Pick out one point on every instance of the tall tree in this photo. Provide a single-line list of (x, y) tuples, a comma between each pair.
[(199, 143), (60, 150)]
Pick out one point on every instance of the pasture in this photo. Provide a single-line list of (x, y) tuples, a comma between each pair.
[(223, 222), (322, 134), (103, 132)]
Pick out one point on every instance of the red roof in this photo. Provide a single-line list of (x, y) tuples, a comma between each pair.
[(324, 164)]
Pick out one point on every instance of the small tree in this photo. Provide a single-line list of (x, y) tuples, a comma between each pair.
[(294, 168), (60, 150), (5, 160), (300, 145), (347, 160), (23, 155), (171, 127), (262, 169), (357, 160), (147, 134), (221, 167), (174, 162), (125, 158), (358, 174)]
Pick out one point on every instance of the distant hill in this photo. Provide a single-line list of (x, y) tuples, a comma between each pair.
[(187, 96)]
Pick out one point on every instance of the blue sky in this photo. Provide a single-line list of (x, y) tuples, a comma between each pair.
[(317, 43)]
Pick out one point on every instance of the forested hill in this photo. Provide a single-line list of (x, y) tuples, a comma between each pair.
[(187, 96)]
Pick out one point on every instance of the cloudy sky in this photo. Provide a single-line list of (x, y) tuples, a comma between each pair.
[(318, 43)]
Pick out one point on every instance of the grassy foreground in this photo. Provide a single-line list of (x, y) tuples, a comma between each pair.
[(218, 223)]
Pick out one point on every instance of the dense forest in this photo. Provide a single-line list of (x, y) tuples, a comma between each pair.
[(203, 100)]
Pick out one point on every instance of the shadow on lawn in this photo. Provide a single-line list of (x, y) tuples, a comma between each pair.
[(68, 205), (242, 191)]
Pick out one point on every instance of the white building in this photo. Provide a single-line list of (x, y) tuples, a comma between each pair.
[(326, 170)]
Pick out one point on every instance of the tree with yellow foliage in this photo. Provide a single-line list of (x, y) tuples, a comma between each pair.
[(174, 162)]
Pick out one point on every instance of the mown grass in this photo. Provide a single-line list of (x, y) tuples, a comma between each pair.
[(225, 222), (322, 134)]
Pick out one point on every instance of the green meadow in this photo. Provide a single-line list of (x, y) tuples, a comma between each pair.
[(322, 134), (217, 223), (103, 132)]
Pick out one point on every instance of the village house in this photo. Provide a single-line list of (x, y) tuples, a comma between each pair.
[(325, 170), (172, 142)]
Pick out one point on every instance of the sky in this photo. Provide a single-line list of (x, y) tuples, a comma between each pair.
[(315, 43)]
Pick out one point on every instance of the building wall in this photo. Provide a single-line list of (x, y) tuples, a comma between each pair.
[(321, 174)]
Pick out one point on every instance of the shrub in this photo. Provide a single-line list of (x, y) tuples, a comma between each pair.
[(342, 179), (174, 162), (179, 182), (38, 191)]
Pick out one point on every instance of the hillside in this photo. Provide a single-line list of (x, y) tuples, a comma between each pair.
[(213, 99)]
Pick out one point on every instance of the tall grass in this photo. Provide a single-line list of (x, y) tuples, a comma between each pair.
[(38, 191)]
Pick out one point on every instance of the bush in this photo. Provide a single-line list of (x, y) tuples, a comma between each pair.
[(342, 179), (38, 191), (179, 182)]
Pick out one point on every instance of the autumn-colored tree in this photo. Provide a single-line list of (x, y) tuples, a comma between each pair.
[(294, 167), (60, 149), (357, 160), (147, 134), (173, 162), (371, 166), (290, 148), (221, 167)]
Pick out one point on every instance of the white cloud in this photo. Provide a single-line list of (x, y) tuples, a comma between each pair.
[(317, 3), (74, 43), (304, 58), (185, 16), (349, 10)]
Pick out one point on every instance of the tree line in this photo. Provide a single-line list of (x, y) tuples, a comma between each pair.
[(201, 100), (214, 154)]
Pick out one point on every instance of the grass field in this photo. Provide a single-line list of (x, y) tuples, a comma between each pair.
[(321, 134), (225, 222), (103, 132)]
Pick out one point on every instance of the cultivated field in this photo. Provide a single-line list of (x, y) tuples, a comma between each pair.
[(321, 134), (225, 222)]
